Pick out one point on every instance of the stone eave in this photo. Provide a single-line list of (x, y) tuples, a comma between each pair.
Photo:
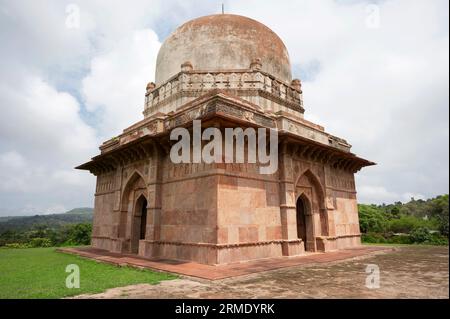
[(136, 150), (141, 139), (302, 147)]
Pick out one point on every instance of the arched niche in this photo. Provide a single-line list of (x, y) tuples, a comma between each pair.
[(309, 188), (135, 189)]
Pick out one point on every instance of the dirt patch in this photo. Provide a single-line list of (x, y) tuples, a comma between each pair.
[(407, 272)]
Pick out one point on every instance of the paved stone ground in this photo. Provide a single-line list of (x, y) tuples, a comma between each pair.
[(220, 272), (407, 272)]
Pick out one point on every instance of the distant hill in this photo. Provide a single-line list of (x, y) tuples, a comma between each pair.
[(55, 221)]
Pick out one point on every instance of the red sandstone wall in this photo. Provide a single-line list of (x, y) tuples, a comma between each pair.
[(103, 212), (225, 213), (249, 211), (249, 220), (342, 191), (189, 211)]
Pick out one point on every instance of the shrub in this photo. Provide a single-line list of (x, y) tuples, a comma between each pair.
[(405, 224), (373, 238), (421, 235), (439, 212), (437, 239), (401, 240), (40, 242), (17, 246), (368, 238)]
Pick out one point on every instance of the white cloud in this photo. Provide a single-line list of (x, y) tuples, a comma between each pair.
[(379, 194), (12, 171), (42, 121), (43, 128), (42, 136), (12, 160), (115, 86)]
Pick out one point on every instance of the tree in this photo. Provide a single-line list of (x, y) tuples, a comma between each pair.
[(371, 219), (80, 234), (395, 212), (440, 211)]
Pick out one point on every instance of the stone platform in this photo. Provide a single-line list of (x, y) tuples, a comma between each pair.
[(223, 271)]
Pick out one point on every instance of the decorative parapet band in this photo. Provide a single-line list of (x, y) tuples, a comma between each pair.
[(222, 246), (195, 83), (212, 246)]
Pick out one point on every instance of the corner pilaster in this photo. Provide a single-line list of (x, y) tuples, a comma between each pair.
[(292, 245)]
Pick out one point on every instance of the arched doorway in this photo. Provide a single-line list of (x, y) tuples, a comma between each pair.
[(311, 210), (301, 219), (133, 214), (305, 223), (143, 220), (139, 228)]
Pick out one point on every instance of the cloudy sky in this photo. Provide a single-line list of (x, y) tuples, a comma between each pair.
[(374, 72)]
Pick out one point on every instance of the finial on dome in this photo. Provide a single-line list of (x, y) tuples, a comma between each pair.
[(297, 84), (256, 65), (186, 67), (151, 86)]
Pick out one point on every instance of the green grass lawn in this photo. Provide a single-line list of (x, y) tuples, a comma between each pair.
[(41, 273), (401, 245)]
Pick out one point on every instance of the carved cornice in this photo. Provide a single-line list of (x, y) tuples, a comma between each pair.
[(306, 141), (120, 157), (326, 155)]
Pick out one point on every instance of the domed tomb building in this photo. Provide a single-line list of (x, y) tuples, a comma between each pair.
[(227, 71)]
